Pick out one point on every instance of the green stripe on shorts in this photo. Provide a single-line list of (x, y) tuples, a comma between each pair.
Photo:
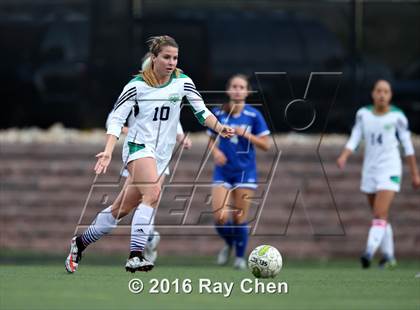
[(134, 147), (396, 179)]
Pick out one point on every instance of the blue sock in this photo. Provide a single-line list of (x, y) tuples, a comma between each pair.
[(226, 232), (241, 238)]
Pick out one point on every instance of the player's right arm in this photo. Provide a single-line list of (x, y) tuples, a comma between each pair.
[(115, 123), (353, 142), (414, 171), (218, 156)]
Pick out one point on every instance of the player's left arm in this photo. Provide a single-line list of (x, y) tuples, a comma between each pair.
[(213, 123), (259, 136), (415, 176), (204, 116), (405, 139)]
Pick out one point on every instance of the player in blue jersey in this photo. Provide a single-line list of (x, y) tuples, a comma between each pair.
[(235, 173)]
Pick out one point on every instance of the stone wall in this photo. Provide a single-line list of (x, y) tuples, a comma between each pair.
[(304, 205)]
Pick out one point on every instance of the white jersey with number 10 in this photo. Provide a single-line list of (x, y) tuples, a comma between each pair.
[(155, 127)]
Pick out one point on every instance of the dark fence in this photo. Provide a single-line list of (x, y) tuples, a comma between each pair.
[(67, 61)]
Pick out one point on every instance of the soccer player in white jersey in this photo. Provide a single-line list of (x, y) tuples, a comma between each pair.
[(158, 91), (150, 249), (382, 126)]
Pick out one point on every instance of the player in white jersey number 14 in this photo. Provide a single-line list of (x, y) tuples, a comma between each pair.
[(157, 91), (383, 127)]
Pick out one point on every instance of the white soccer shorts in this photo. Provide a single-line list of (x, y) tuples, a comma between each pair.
[(162, 165), (372, 183)]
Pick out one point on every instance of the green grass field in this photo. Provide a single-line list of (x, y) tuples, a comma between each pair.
[(99, 285)]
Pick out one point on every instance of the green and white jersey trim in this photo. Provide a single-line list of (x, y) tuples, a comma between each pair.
[(155, 125), (382, 135)]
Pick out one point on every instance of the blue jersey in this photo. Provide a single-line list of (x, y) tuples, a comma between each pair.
[(240, 152)]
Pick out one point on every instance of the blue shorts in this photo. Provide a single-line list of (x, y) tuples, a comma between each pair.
[(230, 180)]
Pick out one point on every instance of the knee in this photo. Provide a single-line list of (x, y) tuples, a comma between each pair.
[(221, 217), (239, 216), (221, 220)]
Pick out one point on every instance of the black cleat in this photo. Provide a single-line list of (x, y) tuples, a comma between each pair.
[(365, 261), (137, 262), (387, 263)]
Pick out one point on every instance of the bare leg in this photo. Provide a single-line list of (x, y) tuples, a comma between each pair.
[(371, 200), (147, 182), (221, 212), (242, 203), (381, 205), (128, 199)]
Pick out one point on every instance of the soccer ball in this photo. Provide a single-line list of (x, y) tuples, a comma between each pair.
[(265, 261)]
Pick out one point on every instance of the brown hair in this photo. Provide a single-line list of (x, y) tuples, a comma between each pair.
[(381, 80), (156, 44), (241, 76)]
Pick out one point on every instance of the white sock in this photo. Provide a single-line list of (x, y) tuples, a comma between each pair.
[(376, 234), (141, 227), (101, 225), (387, 244)]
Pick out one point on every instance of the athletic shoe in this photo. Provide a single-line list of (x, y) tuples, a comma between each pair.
[(365, 261), (138, 263), (387, 263), (74, 257), (223, 256), (240, 263)]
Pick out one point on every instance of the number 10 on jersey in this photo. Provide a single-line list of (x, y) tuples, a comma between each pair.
[(163, 115)]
